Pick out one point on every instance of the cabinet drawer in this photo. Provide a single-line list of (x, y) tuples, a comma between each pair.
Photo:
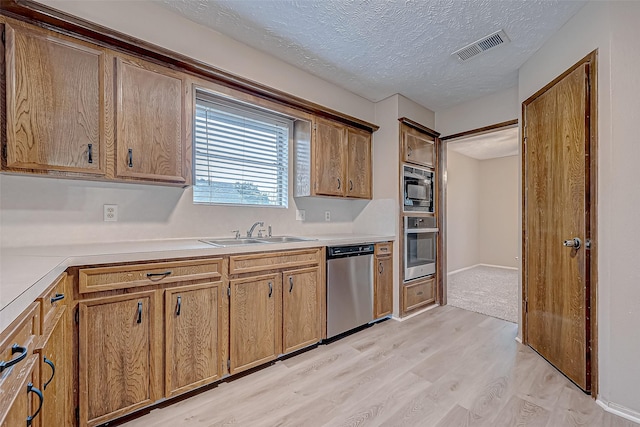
[(127, 276), (53, 297), (383, 249), (419, 294), (21, 333), (273, 261)]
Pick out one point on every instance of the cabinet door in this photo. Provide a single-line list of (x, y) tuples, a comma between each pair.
[(55, 92), (330, 158), (359, 166), (117, 357), (19, 401), (383, 289), (256, 321), (150, 142), (194, 316), (418, 147), (301, 309), (54, 371)]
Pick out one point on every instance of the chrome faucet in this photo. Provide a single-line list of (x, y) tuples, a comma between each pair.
[(250, 231)]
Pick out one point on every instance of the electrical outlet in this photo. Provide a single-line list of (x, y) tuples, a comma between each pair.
[(327, 215), (110, 213), (300, 215)]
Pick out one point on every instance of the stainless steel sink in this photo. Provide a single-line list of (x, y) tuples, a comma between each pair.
[(232, 242), (284, 239)]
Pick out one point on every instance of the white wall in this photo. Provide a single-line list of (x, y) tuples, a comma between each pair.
[(495, 108), (463, 219), (499, 195), (612, 28), (41, 211)]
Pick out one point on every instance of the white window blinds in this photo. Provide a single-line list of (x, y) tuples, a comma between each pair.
[(241, 155)]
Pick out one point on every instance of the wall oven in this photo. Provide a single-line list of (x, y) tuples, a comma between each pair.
[(418, 189), (420, 247)]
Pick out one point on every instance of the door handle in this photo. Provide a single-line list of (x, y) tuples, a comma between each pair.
[(90, 153), (139, 312), (179, 306), (32, 389), (380, 268), (130, 157), (270, 289), (573, 243), (290, 283), (53, 372), (339, 183)]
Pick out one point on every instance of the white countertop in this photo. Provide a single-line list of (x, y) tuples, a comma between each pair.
[(26, 272)]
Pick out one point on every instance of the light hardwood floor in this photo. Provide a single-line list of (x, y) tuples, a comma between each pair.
[(445, 367)]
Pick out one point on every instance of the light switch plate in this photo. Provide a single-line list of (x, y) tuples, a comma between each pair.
[(327, 215), (110, 213)]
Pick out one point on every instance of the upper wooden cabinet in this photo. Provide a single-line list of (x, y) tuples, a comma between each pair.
[(150, 129), (332, 159), (418, 147), (55, 93)]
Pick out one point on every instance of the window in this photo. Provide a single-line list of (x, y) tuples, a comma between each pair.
[(241, 155)]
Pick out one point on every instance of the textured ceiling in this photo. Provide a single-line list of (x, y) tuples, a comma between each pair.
[(501, 143), (377, 48)]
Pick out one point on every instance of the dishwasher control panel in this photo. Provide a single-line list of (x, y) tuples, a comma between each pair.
[(344, 251)]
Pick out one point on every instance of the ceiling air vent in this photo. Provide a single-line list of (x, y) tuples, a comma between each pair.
[(482, 45)]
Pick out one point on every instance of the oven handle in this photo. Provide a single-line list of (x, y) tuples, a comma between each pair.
[(421, 230)]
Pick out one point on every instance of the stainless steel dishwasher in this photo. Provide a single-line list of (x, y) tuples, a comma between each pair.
[(349, 288)]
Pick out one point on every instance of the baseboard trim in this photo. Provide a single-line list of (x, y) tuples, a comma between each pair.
[(463, 269), (518, 339), (481, 265), (619, 410), (402, 319)]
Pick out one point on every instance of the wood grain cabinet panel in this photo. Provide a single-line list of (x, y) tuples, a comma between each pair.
[(301, 308), (150, 133), (359, 170), (330, 158), (256, 321), (117, 359), (418, 148), (383, 281), (194, 318), (418, 294), (55, 91), (17, 402)]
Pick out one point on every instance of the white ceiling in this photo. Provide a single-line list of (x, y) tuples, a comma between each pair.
[(377, 48), (500, 143)]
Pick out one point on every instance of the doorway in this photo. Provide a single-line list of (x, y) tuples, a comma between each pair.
[(558, 222), (482, 221)]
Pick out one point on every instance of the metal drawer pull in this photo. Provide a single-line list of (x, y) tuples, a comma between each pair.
[(160, 275), (32, 389), (139, 312), (53, 372), (179, 306), (339, 184), (57, 297), (270, 289), (419, 293), (290, 283), (130, 158), (14, 349), (90, 153), (380, 268)]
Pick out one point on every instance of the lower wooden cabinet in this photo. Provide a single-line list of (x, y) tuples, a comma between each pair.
[(195, 319), (255, 319), (117, 356), (301, 315), (383, 280), (419, 293)]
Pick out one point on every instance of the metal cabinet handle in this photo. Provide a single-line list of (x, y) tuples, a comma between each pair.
[(53, 372), (270, 289), (350, 185), (130, 155), (160, 275), (32, 389), (14, 349), (380, 268), (179, 306), (339, 183), (410, 150), (57, 297), (90, 153), (290, 283), (139, 312)]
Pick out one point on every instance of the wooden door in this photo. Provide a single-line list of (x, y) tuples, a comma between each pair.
[(556, 209), (150, 142), (54, 371), (55, 93), (383, 287), (301, 309), (418, 147), (116, 343), (359, 169), (17, 403), (330, 160), (256, 321), (194, 316)]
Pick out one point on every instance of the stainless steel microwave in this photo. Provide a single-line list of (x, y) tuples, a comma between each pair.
[(418, 189)]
